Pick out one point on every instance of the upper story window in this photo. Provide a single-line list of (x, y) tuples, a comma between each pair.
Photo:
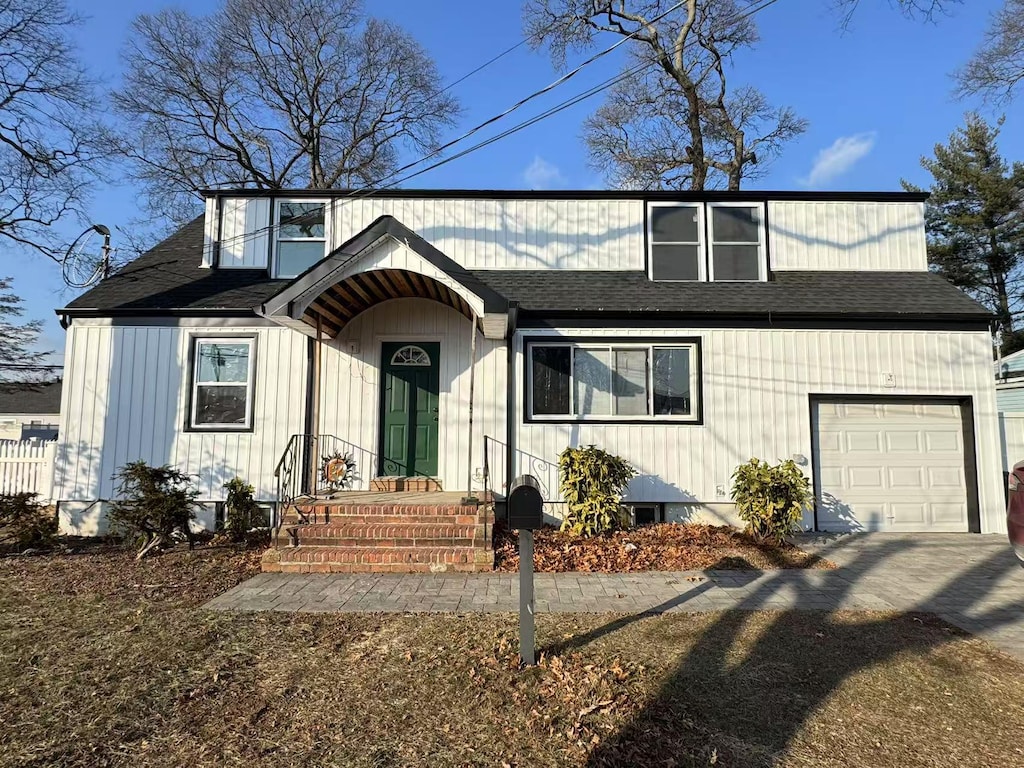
[(706, 241), (300, 236), (610, 382), (222, 384)]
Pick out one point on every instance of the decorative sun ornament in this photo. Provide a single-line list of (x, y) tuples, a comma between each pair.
[(338, 471)]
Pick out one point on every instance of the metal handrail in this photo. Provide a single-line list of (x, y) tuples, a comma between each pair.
[(298, 471)]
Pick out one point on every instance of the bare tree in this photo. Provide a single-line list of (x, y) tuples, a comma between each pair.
[(672, 120), (267, 94), (996, 70), (49, 143), (928, 10)]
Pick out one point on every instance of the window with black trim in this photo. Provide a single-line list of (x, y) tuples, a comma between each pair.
[(222, 383), (706, 241), (610, 381), (300, 236)]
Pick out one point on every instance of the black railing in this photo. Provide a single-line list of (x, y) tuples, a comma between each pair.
[(300, 476)]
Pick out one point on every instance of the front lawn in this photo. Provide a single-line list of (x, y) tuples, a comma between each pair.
[(663, 547), (105, 662)]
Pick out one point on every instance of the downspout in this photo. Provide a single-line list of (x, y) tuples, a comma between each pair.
[(510, 394), (472, 384)]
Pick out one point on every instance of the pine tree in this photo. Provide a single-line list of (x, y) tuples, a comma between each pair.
[(975, 221), (20, 358)]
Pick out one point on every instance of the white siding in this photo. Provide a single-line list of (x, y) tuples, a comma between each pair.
[(511, 234), (1011, 429), (846, 235), (209, 230), (244, 237), (125, 397), (350, 386), (756, 386)]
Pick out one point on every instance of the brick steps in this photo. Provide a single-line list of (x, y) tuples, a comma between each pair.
[(336, 518), (382, 538), (419, 559)]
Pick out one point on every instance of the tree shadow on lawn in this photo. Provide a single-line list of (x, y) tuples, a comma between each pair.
[(751, 682)]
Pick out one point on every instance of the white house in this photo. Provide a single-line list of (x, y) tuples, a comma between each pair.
[(470, 336)]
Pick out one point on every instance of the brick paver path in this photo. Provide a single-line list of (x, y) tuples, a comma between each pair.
[(971, 581)]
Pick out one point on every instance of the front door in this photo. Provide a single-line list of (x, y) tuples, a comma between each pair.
[(410, 379)]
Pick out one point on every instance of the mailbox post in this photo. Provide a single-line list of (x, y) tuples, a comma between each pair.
[(526, 514)]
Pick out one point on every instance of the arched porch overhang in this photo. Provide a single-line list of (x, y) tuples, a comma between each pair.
[(386, 261)]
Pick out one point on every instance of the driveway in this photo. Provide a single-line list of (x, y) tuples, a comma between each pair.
[(971, 581)]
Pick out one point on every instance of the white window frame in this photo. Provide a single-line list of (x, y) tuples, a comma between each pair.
[(572, 416), (276, 227), (194, 384), (702, 271), (762, 260)]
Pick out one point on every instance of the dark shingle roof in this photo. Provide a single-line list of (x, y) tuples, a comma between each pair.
[(169, 278), (888, 294), (30, 398)]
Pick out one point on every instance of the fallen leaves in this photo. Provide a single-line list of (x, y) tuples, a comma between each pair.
[(664, 547)]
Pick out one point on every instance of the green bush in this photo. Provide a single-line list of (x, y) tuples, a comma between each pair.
[(153, 504), (25, 522), (770, 499), (592, 483), (241, 509)]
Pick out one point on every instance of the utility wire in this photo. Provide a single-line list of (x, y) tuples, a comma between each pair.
[(383, 183)]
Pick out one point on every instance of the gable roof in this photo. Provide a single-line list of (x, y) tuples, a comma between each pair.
[(30, 398), (296, 297), (168, 280)]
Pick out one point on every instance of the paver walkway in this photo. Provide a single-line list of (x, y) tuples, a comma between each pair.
[(973, 582)]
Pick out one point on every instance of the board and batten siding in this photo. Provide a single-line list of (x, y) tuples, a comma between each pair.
[(756, 402), (588, 234), (843, 235), (350, 386), (125, 398)]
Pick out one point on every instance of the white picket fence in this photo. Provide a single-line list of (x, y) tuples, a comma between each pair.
[(26, 466)]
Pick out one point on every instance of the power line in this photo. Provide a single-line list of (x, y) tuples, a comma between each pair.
[(368, 191), (381, 183)]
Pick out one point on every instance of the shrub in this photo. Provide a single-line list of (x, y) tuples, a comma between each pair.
[(153, 503), (592, 483), (241, 509), (25, 522), (770, 499)]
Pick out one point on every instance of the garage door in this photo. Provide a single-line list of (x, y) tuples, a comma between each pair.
[(891, 466)]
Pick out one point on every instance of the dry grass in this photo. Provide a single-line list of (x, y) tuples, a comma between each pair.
[(105, 662), (663, 547)]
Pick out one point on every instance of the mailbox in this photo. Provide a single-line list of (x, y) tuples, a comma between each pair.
[(525, 504)]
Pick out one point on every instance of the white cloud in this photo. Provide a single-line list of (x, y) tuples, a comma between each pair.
[(833, 161), (540, 174)]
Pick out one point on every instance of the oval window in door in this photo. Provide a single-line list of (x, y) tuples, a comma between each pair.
[(411, 355)]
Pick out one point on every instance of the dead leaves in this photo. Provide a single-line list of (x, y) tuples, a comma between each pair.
[(665, 547)]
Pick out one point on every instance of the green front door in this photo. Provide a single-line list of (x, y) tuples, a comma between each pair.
[(410, 380)]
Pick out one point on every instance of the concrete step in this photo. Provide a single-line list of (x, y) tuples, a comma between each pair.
[(385, 519)]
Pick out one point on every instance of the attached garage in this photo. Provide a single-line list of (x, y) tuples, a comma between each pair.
[(899, 465)]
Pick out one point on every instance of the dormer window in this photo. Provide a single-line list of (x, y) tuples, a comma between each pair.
[(706, 241), (676, 252), (737, 242), (300, 236)]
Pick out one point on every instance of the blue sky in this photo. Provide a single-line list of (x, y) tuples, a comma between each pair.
[(877, 97)]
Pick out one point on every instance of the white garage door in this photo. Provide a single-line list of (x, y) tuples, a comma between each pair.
[(891, 467)]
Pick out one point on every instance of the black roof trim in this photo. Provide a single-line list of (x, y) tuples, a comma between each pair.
[(296, 297), (754, 195), (825, 321)]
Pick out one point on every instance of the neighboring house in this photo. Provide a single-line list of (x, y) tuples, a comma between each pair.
[(29, 411), (470, 336), (1010, 382)]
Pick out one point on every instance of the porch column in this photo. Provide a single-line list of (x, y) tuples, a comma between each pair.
[(472, 383)]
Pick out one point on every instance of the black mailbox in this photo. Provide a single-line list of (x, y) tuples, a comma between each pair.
[(525, 504)]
